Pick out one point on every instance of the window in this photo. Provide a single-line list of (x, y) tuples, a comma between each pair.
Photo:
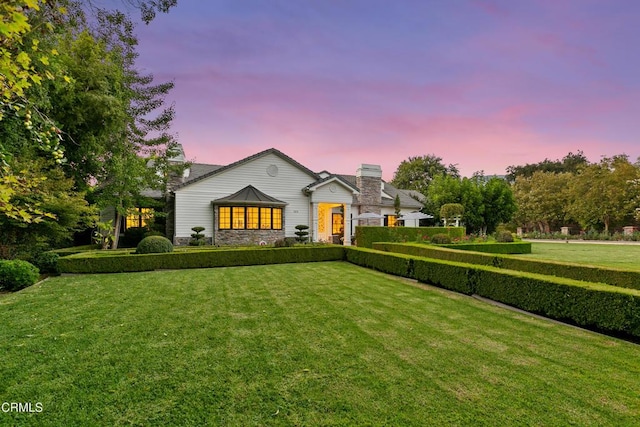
[(252, 218), (249, 218), (224, 218), (336, 223), (237, 218), (140, 217), (390, 220)]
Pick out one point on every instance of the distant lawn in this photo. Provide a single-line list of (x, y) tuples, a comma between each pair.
[(610, 255), (298, 344)]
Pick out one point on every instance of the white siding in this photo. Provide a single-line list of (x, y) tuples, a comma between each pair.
[(193, 202), (341, 194)]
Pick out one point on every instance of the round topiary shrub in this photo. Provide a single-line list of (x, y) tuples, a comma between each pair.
[(154, 245), (504, 236), (441, 239), (17, 274)]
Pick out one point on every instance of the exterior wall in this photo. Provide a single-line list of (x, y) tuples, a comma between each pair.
[(193, 203), (369, 181), (247, 237)]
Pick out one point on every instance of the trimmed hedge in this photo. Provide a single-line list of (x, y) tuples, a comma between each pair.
[(367, 235), (396, 264), (82, 263), (587, 273), (591, 305), (493, 248)]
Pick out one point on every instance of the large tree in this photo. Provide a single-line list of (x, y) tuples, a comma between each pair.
[(416, 173), (571, 163)]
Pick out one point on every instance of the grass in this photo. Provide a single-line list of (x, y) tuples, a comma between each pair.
[(298, 344), (623, 256)]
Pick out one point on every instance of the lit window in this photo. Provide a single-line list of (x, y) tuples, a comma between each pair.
[(265, 218), (252, 218), (140, 217), (237, 218), (336, 223), (391, 220), (277, 219), (224, 220), (249, 218)]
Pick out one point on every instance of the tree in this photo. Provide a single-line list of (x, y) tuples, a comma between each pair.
[(605, 193), (498, 203), (451, 212), (571, 163), (543, 199), (396, 205), (416, 173)]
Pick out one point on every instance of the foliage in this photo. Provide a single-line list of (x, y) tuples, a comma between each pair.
[(154, 245), (571, 163), (104, 234), (596, 306), (47, 262), (17, 274), (88, 263), (450, 212), (504, 236), (416, 173), (441, 239), (132, 237), (285, 243), (396, 205), (197, 238), (302, 233), (367, 235), (588, 273)]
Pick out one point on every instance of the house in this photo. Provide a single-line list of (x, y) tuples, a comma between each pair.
[(261, 198)]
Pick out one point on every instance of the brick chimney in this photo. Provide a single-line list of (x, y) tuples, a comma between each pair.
[(369, 181)]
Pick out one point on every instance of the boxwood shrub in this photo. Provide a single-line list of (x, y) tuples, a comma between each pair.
[(367, 235), (587, 273), (17, 274), (88, 263), (154, 245), (591, 305), (493, 248)]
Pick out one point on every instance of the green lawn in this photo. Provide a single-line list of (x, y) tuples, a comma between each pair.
[(298, 344), (610, 255)]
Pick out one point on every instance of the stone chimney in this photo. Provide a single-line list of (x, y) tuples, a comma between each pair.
[(369, 181)]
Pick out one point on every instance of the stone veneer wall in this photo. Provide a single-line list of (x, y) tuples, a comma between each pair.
[(247, 237), (369, 181)]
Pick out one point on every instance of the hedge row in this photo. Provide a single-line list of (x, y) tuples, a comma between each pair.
[(587, 273), (82, 263), (366, 235), (596, 306), (493, 248)]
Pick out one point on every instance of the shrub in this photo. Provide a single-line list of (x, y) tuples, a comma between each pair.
[(367, 235), (17, 274), (154, 245), (440, 239), (91, 263), (302, 233), (47, 262), (287, 242), (197, 238), (132, 237), (504, 236)]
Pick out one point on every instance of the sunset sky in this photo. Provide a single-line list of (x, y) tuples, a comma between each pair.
[(483, 84)]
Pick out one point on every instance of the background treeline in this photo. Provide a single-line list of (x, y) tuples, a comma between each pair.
[(596, 197)]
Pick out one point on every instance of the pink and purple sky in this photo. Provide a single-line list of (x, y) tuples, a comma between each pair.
[(483, 84)]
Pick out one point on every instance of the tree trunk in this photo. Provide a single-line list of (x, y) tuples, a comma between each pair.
[(116, 230)]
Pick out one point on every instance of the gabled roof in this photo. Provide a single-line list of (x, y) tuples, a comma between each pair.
[(314, 185), (249, 195), (247, 160)]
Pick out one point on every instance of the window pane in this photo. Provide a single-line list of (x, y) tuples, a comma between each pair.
[(224, 218), (277, 219), (391, 220), (146, 215), (336, 223), (237, 217), (265, 218), (252, 218)]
